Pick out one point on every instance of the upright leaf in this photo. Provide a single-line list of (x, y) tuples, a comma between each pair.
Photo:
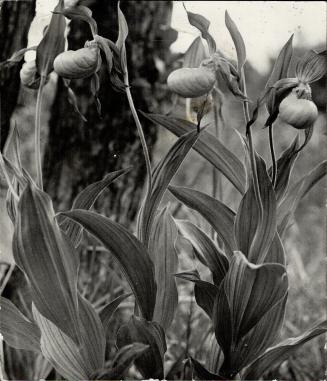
[(209, 147), (195, 54), (161, 176), (138, 330), (128, 251), (214, 258), (203, 373), (219, 216), (202, 24), (18, 331), (279, 353), (238, 41), (164, 256), (254, 234), (85, 200), (47, 258)]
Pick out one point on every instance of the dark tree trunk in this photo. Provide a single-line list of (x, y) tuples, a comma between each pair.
[(15, 20), (79, 153)]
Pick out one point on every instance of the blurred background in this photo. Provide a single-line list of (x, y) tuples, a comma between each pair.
[(78, 153)]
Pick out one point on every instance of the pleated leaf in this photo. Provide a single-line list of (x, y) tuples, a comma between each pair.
[(312, 66), (219, 216), (285, 165), (203, 245), (209, 147), (204, 292), (138, 330), (203, 373), (164, 256), (18, 331), (85, 200), (254, 235), (48, 260), (129, 252), (109, 309), (238, 41), (294, 195), (247, 293), (279, 353), (162, 175)]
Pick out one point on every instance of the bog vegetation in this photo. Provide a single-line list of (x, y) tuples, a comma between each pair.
[(245, 289)]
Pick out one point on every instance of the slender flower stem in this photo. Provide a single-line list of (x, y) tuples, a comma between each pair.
[(140, 132), (37, 136), (251, 149), (273, 156)]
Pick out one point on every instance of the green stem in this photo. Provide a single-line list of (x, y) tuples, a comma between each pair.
[(273, 156), (251, 149), (141, 134), (37, 136)]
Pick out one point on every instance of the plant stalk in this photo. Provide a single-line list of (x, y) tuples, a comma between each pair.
[(141, 134), (37, 136), (273, 156), (251, 149)]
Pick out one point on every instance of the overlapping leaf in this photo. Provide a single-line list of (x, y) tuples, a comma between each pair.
[(164, 256), (209, 147), (292, 198), (220, 217), (312, 66), (109, 309), (18, 331), (195, 54), (161, 177), (204, 247), (247, 293), (47, 258), (279, 353), (203, 373), (138, 330), (204, 292), (85, 200), (128, 251), (254, 234)]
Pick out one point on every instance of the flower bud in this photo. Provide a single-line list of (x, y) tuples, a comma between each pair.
[(191, 82), (81, 63), (297, 109)]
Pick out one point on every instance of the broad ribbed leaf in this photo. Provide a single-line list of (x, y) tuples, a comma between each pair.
[(257, 340), (247, 293), (85, 200), (48, 260), (202, 24), (70, 360), (276, 253), (203, 373), (254, 235), (285, 165), (204, 292), (312, 66), (164, 256), (18, 331), (121, 363), (128, 251), (209, 147), (12, 148), (294, 195), (52, 43), (282, 63), (279, 353), (238, 41), (161, 177), (138, 330), (220, 217), (195, 54), (214, 258), (109, 309)]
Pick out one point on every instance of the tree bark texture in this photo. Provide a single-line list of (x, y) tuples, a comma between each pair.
[(15, 21), (79, 153)]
